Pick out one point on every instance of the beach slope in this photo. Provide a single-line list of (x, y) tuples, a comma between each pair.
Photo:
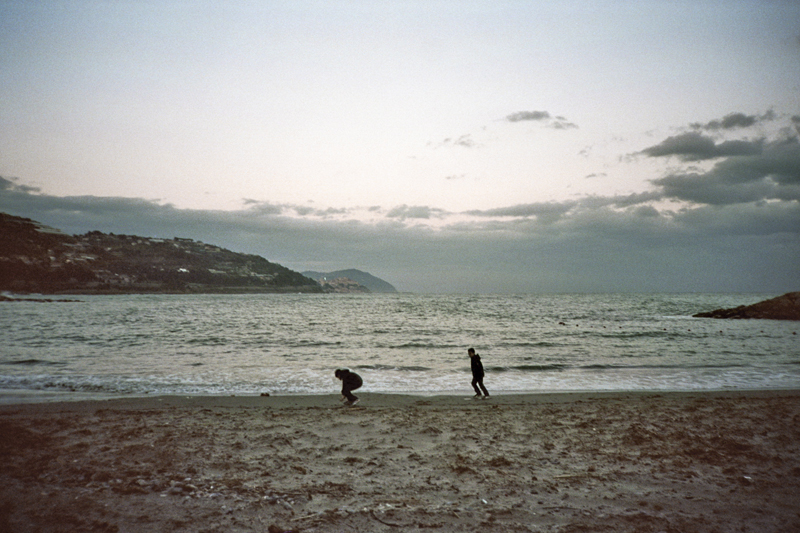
[(701, 462)]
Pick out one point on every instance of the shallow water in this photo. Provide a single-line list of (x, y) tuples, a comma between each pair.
[(282, 344)]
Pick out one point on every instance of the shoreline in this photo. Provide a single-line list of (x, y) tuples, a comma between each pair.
[(558, 462), (16, 398)]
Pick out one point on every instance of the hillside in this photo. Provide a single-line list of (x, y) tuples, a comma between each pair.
[(35, 258), (365, 279)]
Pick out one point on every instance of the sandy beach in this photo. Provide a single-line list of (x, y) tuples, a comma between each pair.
[(669, 462)]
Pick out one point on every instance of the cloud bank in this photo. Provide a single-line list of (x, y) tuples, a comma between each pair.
[(726, 217)]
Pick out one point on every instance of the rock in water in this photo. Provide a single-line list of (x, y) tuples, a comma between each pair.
[(786, 307)]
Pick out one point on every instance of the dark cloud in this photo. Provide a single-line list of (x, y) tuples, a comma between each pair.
[(646, 211), (695, 146), (772, 174), (734, 121)]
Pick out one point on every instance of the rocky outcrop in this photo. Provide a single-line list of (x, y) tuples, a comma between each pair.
[(786, 307), (342, 286), (374, 284)]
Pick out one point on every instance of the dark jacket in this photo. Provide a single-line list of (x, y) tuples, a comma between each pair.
[(350, 380), (477, 366)]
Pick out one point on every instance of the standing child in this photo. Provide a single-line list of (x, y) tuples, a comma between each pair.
[(477, 374), (350, 382)]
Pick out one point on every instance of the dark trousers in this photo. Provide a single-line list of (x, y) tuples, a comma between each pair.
[(479, 381), (346, 392)]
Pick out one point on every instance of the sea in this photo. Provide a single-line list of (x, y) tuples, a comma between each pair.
[(287, 344)]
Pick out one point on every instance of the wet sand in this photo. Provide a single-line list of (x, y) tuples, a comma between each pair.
[(670, 462)]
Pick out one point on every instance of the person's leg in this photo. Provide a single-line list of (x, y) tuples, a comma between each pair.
[(475, 386), (349, 395), (485, 392)]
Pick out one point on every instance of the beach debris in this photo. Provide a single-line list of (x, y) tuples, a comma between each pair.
[(263, 394)]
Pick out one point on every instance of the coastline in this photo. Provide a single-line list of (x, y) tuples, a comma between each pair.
[(561, 462), (63, 401)]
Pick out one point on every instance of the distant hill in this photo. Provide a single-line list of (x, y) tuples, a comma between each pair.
[(365, 279), (35, 258)]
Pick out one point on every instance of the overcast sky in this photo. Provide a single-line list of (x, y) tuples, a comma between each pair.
[(482, 146)]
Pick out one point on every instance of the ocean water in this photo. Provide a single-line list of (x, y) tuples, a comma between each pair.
[(290, 344)]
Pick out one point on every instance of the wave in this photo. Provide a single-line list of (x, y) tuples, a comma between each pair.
[(394, 367), (529, 368), (601, 367), (31, 362), (660, 366), (207, 341), (421, 345), (538, 344)]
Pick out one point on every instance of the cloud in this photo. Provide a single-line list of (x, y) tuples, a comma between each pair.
[(695, 146), (546, 212), (9, 185), (734, 121), (264, 208), (559, 122), (543, 117), (621, 201), (404, 212), (464, 141), (771, 174), (521, 116)]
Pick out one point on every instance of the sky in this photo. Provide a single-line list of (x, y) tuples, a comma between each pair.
[(443, 146)]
